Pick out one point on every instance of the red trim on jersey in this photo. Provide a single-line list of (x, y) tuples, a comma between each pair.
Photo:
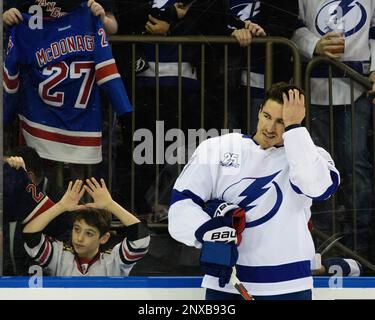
[(129, 255), (48, 204), (134, 256), (10, 84), (79, 261), (46, 252), (62, 138), (105, 71)]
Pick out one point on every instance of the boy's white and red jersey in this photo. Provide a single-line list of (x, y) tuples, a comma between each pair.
[(58, 259)]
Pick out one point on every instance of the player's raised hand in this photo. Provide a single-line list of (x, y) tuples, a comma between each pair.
[(99, 192), (293, 107), (12, 16), (72, 196)]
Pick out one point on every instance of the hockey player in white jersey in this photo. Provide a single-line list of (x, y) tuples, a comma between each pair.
[(271, 178), (90, 230)]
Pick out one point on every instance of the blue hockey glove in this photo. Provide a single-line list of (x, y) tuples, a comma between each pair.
[(219, 237), (217, 259), (346, 267), (232, 215)]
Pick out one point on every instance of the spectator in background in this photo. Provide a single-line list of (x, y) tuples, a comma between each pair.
[(277, 20), (258, 18), (91, 225), (157, 18), (342, 30), (104, 9)]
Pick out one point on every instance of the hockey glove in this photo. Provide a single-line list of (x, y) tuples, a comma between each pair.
[(233, 215), (219, 238), (342, 267), (217, 259)]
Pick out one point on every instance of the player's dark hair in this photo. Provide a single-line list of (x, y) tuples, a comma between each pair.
[(276, 91), (98, 218), (33, 161)]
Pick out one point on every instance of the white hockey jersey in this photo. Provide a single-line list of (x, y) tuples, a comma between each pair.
[(58, 259), (276, 187), (358, 18)]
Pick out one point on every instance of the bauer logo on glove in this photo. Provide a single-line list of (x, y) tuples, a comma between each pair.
[(223, 234)]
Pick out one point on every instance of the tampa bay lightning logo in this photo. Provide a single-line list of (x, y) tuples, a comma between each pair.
[(253, 189), (351, 12), (244, 9)]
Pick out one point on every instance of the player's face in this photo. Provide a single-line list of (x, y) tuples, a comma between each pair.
[(270, 125), (85, 239)]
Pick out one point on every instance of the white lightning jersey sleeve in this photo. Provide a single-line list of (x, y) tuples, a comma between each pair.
[(276, 188), (316, 19)]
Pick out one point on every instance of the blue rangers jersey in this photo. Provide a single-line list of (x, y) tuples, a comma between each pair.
[(317, 17), (60, 69), (276, 187)]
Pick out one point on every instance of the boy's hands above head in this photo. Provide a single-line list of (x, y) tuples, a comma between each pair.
[(293, 108), (72, 196), (100, 194), (12, 16)]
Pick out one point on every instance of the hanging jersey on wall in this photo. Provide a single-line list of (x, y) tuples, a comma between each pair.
[(60, 69)]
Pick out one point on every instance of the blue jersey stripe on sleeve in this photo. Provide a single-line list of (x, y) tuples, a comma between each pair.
[(330, 190), (186, 194)]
